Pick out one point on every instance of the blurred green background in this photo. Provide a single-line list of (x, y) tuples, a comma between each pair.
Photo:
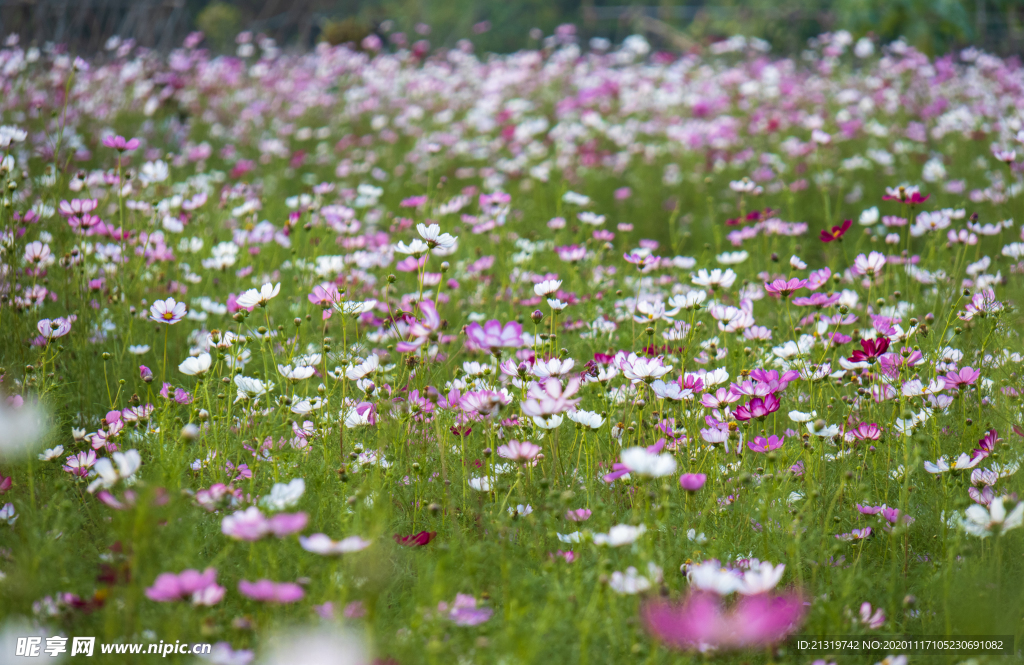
[(934, 26)]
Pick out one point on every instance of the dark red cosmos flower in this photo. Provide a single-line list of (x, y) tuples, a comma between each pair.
[(836, 233), (870, 349), (416, 540), (904, 196)]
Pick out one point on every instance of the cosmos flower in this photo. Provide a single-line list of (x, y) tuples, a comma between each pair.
[(493, 335), (271, 592), (691, 482), (195, 365), (253, 298), (702, 622), (519, 451), (836, 232), (320, 543), (167, 311), (995, 521)]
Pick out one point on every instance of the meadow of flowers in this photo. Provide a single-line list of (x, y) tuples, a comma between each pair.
[(587, 354)]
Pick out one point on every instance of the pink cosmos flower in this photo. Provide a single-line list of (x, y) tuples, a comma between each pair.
[(867, 431), (519, 451), (965, 376), (464, 611), (493, 335), (550, 398), (249, 524), (271, 592), (702, 622), (784, 288), (285, 524), (763, 445), (420, 331), (53, 328), (167, 311), (691, 482), (202, 587), (579, 515), (120, 144)]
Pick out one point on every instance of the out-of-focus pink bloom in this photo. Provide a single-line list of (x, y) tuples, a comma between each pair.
[(493, 335), (550, 398), (520, 451), (691, 482), (120, 143), (464, 611), (869, 619), (5, 481), (271, 592), (145, 373), (201, 587), (579, 515), (702, 623), (285, 524), (420, 331)]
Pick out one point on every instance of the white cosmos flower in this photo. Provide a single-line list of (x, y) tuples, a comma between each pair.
[(480, 484), (250, 388), (573, 537), (762, 576), (51, 453), (628, 583), (691, 300), (983, 523), (109, 472), (195, 366), (715, 278), (298, 373), (364, 368), (416, 248), (321, 543), (547, 287), (711, 576), (586, 418), (308, 405), (252, 297), (283, 496), (652, 465), (432, 235), (550, 422), (619, 535)]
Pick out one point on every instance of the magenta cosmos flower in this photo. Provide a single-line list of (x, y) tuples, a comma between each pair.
[(271, 592), (168, 311), (757, 408), (836, 232), (493, 335), (691, 482), (702, 622), (870, 349)]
